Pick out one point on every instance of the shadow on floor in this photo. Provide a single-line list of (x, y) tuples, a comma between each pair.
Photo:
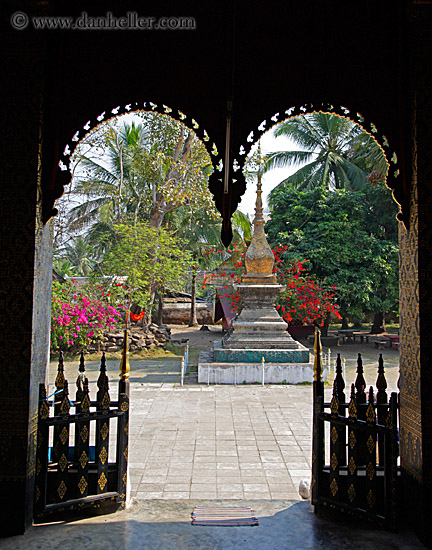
[(159, 524)]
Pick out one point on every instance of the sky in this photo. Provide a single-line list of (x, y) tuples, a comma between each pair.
[(272, 178)]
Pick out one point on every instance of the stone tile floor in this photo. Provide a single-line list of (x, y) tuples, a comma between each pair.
[(225, 442), (219, 442), (165, 525)]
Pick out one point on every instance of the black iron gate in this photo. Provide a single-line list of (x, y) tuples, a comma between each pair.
[(73, 466), (355, 446)]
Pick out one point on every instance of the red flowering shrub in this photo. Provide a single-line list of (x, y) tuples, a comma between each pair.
[(304, 300)]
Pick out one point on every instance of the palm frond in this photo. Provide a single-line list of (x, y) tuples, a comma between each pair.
[(286, 159), (82, 215), (300, 132), (102, 171), (303, 176), (242, 225)]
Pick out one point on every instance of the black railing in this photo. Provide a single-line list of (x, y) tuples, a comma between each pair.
[(360, 474), (73, 471)]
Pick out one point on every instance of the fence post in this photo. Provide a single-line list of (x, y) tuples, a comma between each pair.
[(370, 453), (390, 467), (334, 446), (340, 386), (41, 454), (63, 447), (186, 357), (318, 425), (123, 424), (360, 385), (57, 400), (382, 409), (352, 449), (102, 429), (182, 365), (82, 442)]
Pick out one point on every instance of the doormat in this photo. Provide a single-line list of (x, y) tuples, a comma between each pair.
[(223, 517)]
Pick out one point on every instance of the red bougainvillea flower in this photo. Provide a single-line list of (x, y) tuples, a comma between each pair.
[(304, 300)]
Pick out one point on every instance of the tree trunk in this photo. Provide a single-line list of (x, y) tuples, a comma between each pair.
[(159, 315), (120, 152), (379, 323), (344, 323), (149, 313), (193, 312), (159, 210), (326, 324), (156, 216)]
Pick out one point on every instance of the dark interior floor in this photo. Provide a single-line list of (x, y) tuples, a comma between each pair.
[(164, 524)]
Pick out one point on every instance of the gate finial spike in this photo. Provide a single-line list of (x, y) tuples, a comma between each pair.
[(82, 364), (124, 365), (352, 407), (334, 404), (339, 379), (102, 381), (65, 403), (318, 360), (360, 382), (81, 377), (60, 378)]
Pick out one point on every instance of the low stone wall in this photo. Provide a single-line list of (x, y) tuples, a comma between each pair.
[(140, 338), (178, 313)]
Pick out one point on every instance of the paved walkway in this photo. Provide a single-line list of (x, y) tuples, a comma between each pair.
[(224, 442), (220, 442)]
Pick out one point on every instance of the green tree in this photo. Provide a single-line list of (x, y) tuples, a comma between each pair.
[(152, 259), (349, 238), (336, 153), (201, 232), (79, 256), (140, 171), (63, 266)]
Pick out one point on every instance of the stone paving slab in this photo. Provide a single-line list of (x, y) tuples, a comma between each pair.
[(231, 442)]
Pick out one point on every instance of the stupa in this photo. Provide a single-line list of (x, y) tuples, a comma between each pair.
[(258, 348)]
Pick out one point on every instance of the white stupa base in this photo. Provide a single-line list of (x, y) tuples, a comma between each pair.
[(210, 372)]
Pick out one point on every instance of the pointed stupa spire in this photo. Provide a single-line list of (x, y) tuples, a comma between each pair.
[(259, 258)]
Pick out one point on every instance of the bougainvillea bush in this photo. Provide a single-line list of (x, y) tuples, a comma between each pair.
[(79, 317), (304, 301)]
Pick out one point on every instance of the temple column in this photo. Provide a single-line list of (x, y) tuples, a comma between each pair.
[(25, 276), (416, 300)]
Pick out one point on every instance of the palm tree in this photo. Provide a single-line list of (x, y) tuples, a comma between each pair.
[(78, 254), (111, 183), (337, 153)]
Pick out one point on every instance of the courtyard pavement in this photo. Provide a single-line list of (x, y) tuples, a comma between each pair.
[(220, 442)]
